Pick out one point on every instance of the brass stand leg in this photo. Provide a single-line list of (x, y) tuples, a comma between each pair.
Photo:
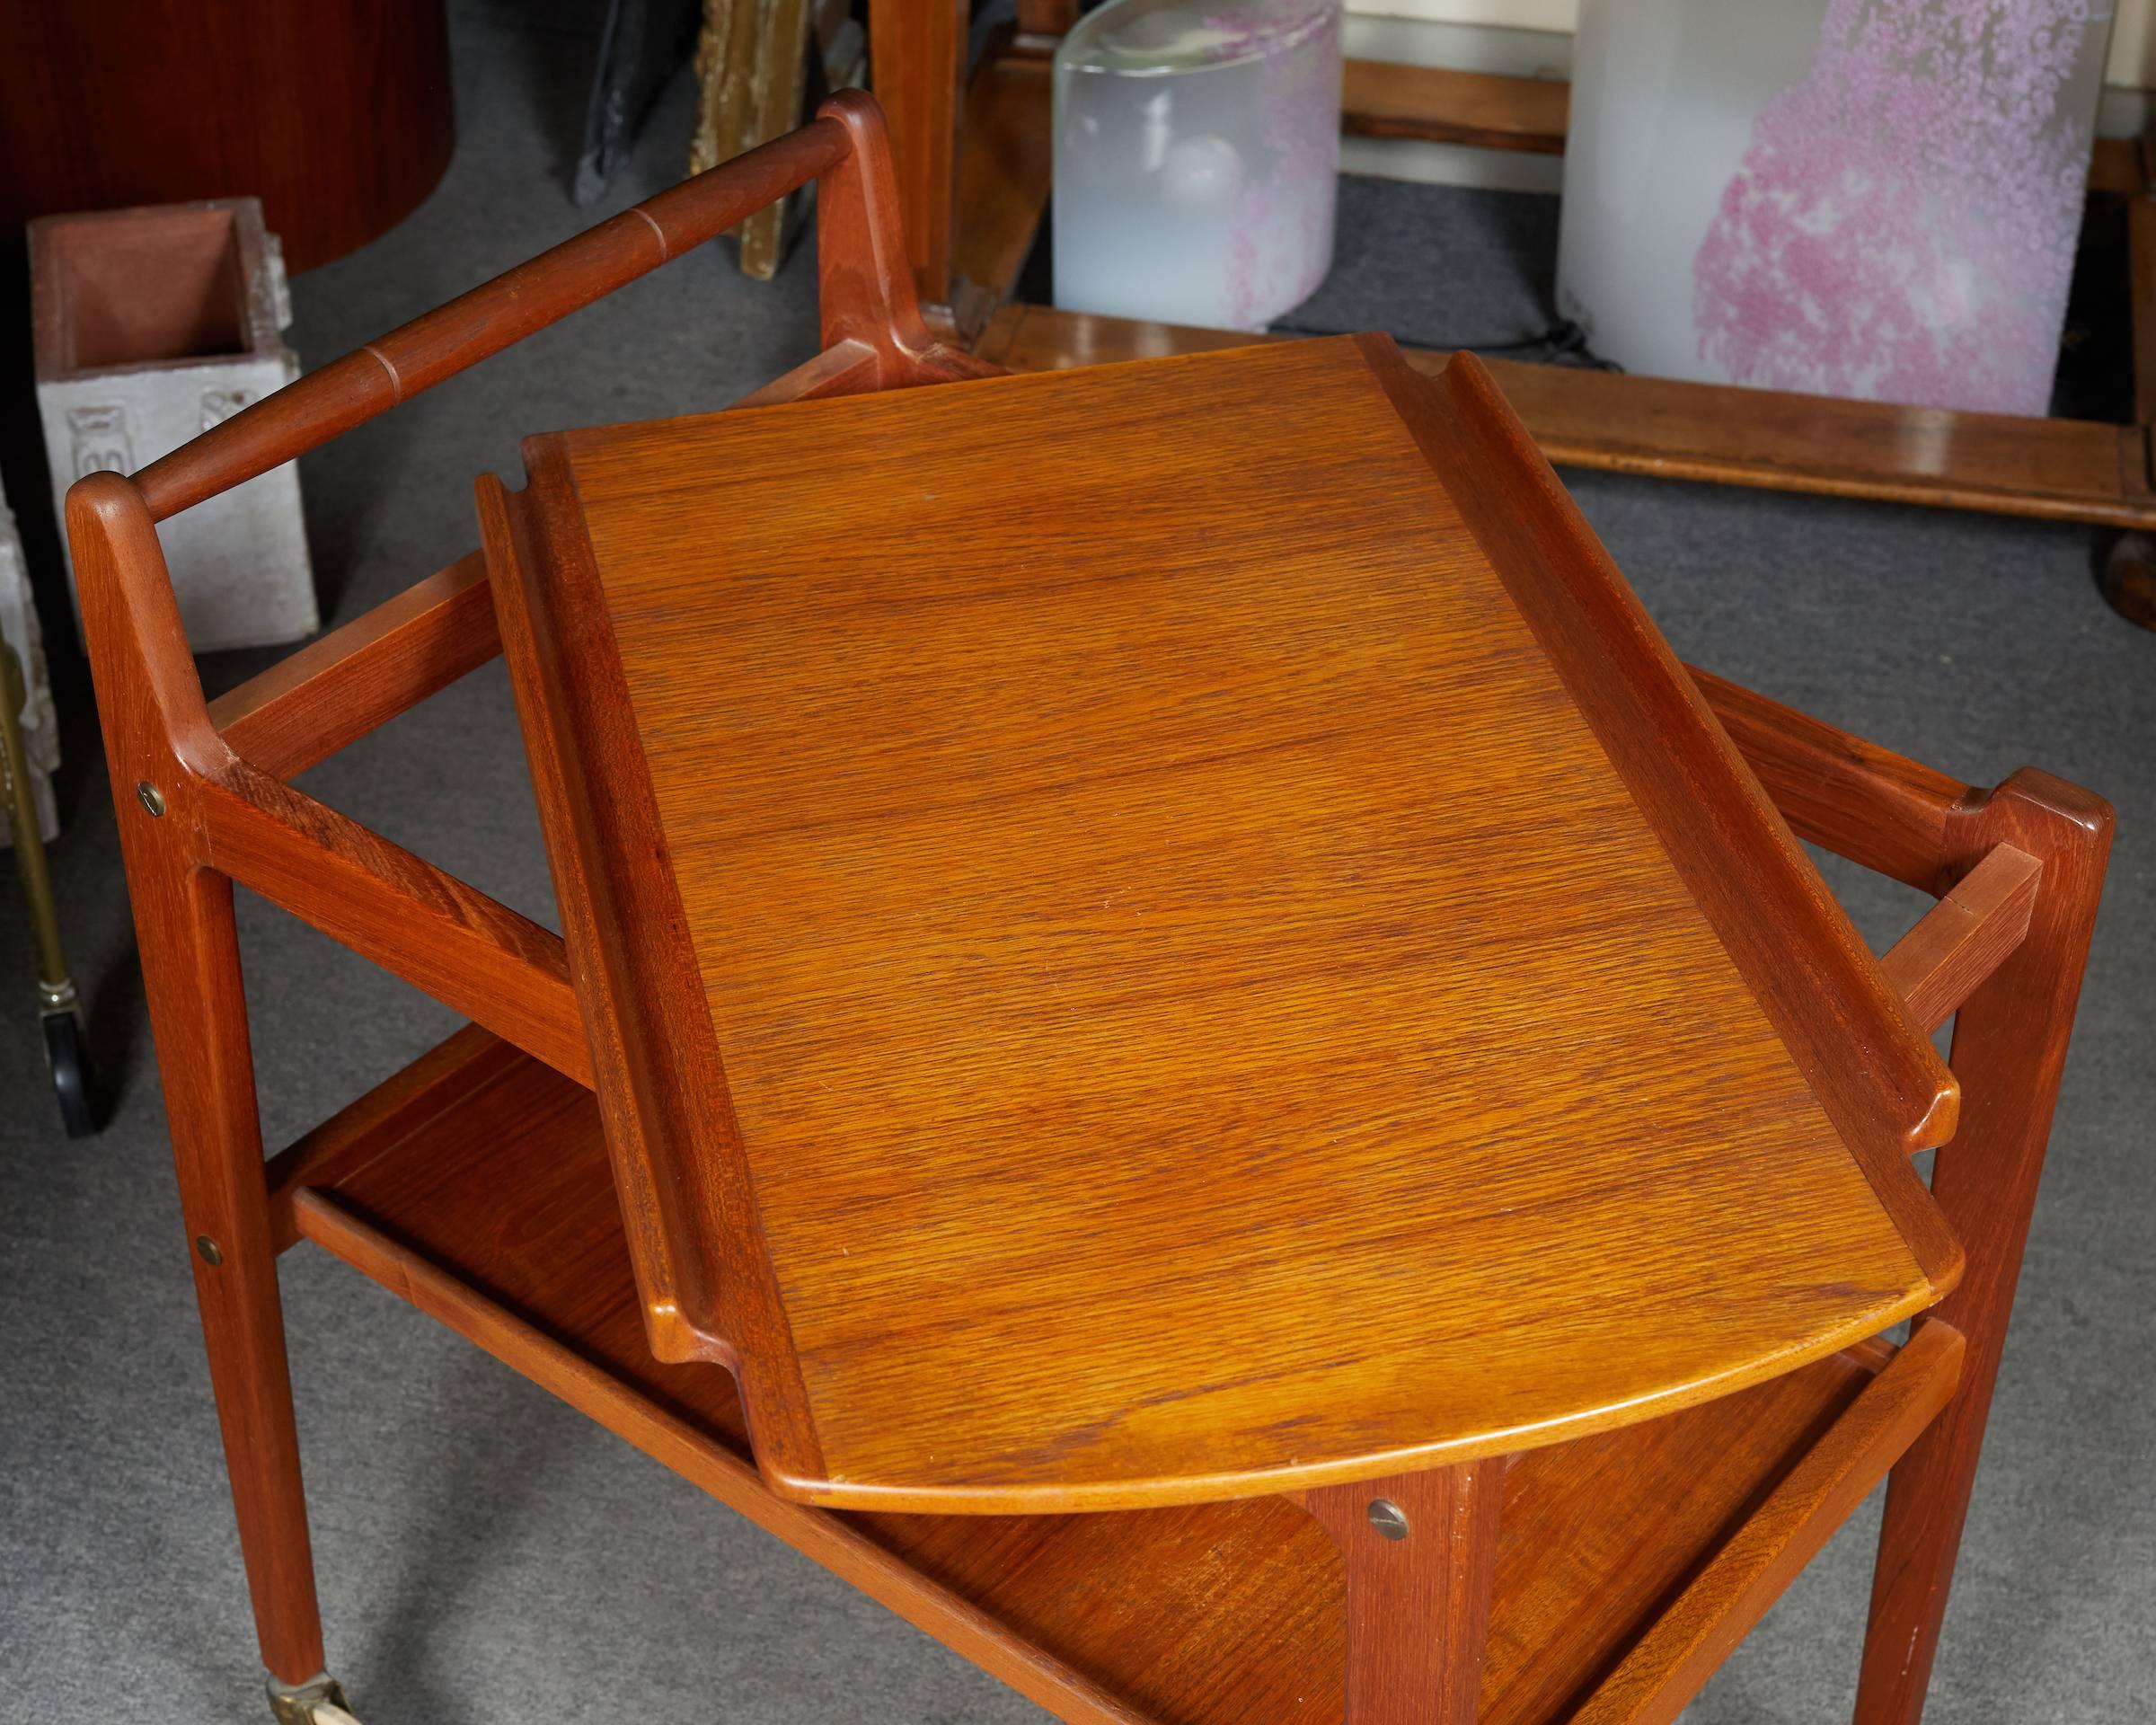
[(1420, 1550), (58, 1010)]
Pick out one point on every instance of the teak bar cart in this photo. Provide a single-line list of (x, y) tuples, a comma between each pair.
[(1237, 1075)]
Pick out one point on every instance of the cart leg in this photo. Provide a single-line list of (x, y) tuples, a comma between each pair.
[(1420, 1552), (159, 743), (160, 750), (191, 970), (2010, 1047), (917, 63)]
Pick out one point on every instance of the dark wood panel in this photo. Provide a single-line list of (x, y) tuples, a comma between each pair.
[(336, 114)]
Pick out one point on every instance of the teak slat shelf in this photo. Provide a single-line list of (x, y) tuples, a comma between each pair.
[(1515, 1337), (492, 1176), (2048, 469), (2061, 470)]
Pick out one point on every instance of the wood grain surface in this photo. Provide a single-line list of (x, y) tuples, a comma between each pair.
[(1199, 1012), (1878, 808), (1875, 1076)]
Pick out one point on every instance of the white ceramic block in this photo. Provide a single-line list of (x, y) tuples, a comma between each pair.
[(19, 627), (152, 326), (1197, 154)]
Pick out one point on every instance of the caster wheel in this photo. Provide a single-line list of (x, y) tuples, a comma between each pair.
[(2129, 579), (319, 1700), (74, 1079)]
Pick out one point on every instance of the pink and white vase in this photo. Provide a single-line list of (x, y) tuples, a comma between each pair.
[(1873, 198)]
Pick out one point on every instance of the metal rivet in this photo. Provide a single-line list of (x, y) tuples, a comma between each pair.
[(153, 798), (1388, 1517), (212, 1255)]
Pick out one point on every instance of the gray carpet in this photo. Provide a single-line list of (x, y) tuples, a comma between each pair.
[(489, 1557)]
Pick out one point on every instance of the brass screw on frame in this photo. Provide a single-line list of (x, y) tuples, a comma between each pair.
[(153, 798), (209, 1249), (1389, 1519)]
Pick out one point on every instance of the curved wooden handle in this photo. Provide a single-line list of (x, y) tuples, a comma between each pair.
[(847, 136)]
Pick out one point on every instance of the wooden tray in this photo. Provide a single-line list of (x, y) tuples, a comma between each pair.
[(1245, 966)]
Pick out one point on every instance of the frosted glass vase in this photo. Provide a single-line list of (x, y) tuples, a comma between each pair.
[(1198, 150), (1876, 199)]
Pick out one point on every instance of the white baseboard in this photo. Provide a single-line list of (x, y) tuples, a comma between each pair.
[(1440, 35)]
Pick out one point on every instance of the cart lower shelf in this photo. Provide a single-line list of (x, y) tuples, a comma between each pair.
[(476, 1184)]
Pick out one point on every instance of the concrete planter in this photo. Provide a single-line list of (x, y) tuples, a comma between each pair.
[(19, 628), (151, 326)]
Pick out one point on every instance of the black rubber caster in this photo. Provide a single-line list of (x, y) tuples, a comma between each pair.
[(74, 1079), (2129, 578)]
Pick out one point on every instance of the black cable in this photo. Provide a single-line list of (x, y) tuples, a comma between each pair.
[(1562, 343)]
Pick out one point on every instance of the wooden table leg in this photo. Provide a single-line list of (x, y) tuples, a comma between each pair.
[(2009, 1049), (1047, 17), (1420, 1550), (157, 733), (917, 58)]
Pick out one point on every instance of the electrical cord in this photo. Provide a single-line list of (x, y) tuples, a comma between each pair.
[(1562, 343)]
